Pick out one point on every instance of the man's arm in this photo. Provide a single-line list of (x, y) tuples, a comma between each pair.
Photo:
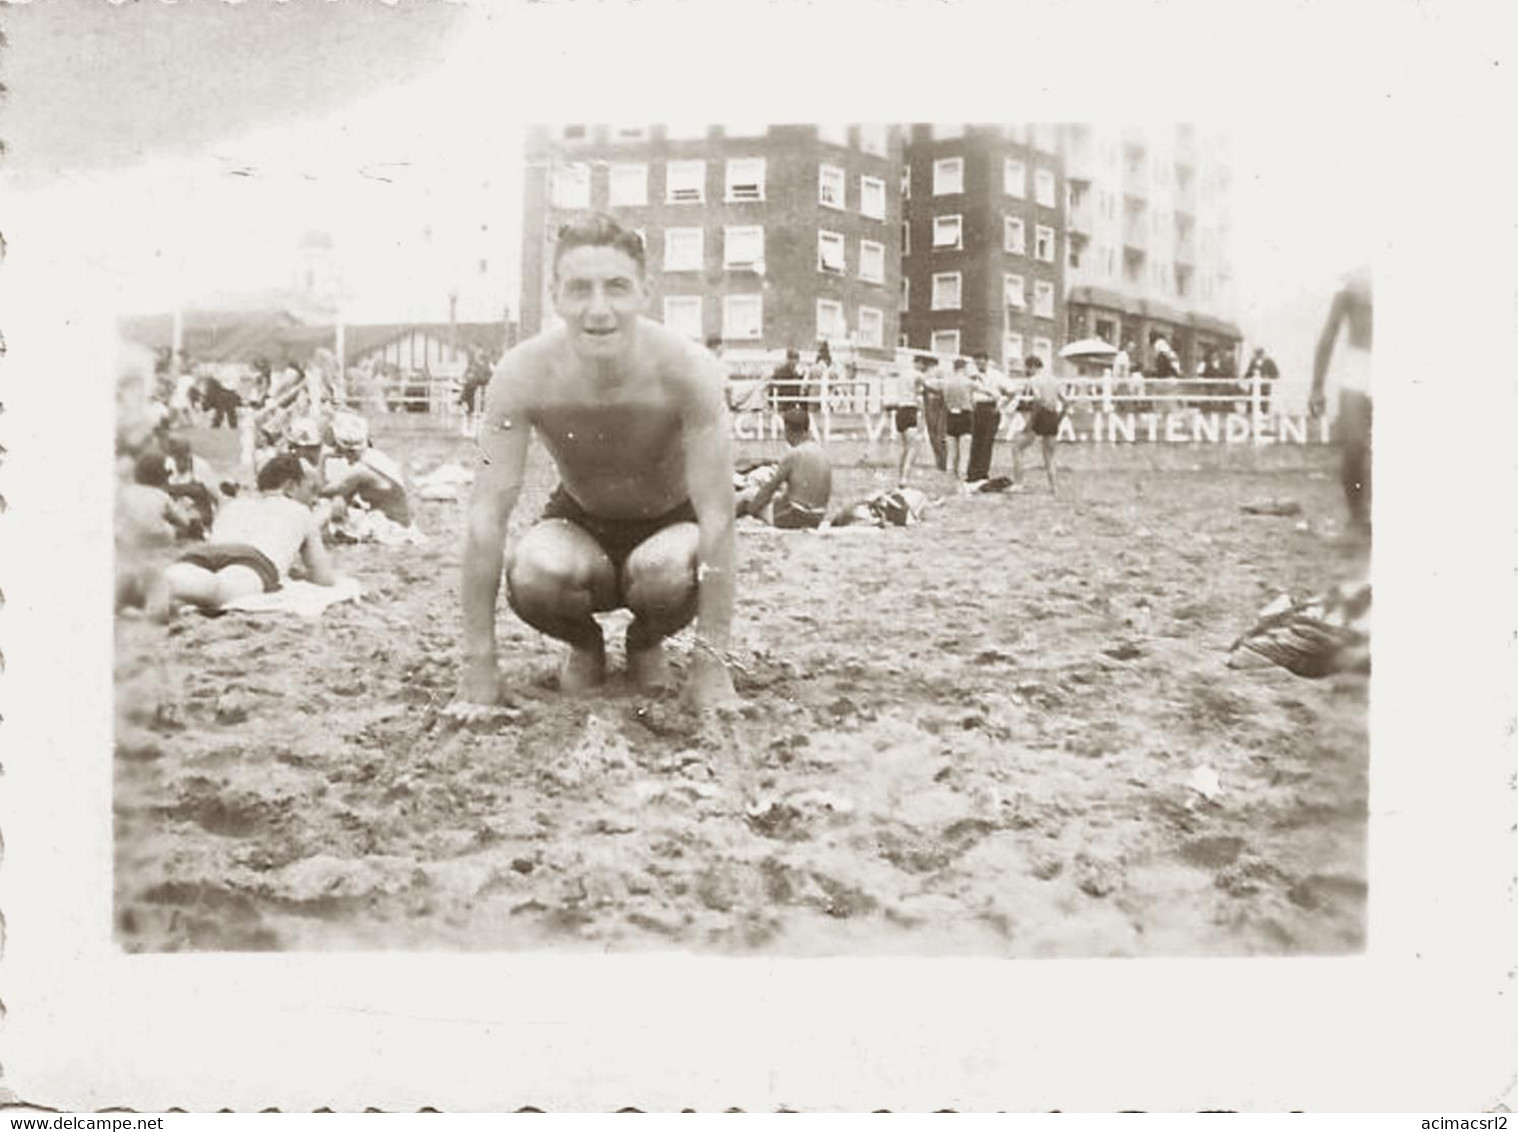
[(1324, 354), (498, 483), (314, 554), (709, 480), (767, 492)]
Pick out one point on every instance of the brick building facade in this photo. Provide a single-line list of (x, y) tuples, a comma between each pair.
[(768, 237), (985, 237)]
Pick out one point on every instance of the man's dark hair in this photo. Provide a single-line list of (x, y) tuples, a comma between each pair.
[(1033, 362), (714, 342), (797, 422), (793, 354), (279, 471), (152, 469), (982, 356), (600, 230), (959, 364)]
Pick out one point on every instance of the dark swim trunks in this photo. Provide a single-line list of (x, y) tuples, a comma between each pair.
[(217, 556), (959, 424), (791, 516), (1046, 421), (617, 537), (906, 417)]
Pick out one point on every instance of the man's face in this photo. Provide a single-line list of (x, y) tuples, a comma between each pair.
[(304, 490), (599, 293)]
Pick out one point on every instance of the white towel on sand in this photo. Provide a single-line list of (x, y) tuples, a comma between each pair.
[(304, 598)]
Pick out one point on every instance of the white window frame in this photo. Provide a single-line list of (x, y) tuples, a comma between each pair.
[(942, 176), (832, 176), (872, 187), (685, 167), (688, 302), (875, 139), (1011, 246), (733, 235), (833, 133), (906, 238), (1043, 348), (570, 175), (730, 324), (943, 224), (1011, 347), (878, 250), (1043, 179), (947, 131), (877, 339), (827, 239), (1014, 291), (831, 306), (1043, 298), (959, 285), (682, 237), (906, 181), (627, 170), (1014, 177), (906, 293), (740, 176), (952, 350), (1040, 232)]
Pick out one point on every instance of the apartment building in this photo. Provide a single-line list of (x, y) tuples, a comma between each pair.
[(766, 236), (984, 242), (1148, 236)]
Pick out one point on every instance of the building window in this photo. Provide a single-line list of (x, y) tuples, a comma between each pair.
[(629, 133), (948, 232), (906, 293), (1014, 176), (1014, 236), (1017, 297), (1011, 348), (629, 185), (830, 186), (742, 316), (871, 261), (745, 129), (685, 131), (872, 202), (946, 291), (743, 248), (682, 314), (906, 182), (1043, 243), (571, 185), (1043, 298), (830, 255), (874, 139), (901, 340), (871, 327), (1043, 349), (906, 238), (945, 343), (684, 249), (830, 327), (685, 182), (745, 179), (948, 176), (1043, 187), (948, 131), (834, 133)]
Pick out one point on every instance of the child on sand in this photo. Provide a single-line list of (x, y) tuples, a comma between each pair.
[(802, 485)]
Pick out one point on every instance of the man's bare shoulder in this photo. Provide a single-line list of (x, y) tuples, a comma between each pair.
[(677, 358), (527, 368)]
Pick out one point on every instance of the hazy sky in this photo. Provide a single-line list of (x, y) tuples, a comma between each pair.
[(217, 140)]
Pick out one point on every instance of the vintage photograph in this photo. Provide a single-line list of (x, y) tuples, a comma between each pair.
[(797, 538)]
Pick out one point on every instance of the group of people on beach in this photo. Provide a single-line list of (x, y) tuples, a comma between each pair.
[(634, 417)]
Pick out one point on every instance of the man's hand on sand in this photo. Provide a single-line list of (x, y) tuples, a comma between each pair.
[(709, 686)]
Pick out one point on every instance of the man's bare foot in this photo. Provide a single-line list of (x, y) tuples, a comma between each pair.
[(583, 669), (648, 668)]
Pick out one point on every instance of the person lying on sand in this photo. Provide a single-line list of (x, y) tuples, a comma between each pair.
[(801, 485), (254, 542), (635, 420)]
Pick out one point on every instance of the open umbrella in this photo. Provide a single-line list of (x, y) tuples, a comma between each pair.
[(1088, 349)]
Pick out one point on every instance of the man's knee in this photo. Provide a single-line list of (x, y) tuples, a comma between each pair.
[(659, 580), (557, 569)]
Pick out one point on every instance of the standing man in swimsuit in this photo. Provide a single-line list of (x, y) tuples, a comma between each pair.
[(635, 420), (1048, 409), (901, 396), (1346, 342)]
